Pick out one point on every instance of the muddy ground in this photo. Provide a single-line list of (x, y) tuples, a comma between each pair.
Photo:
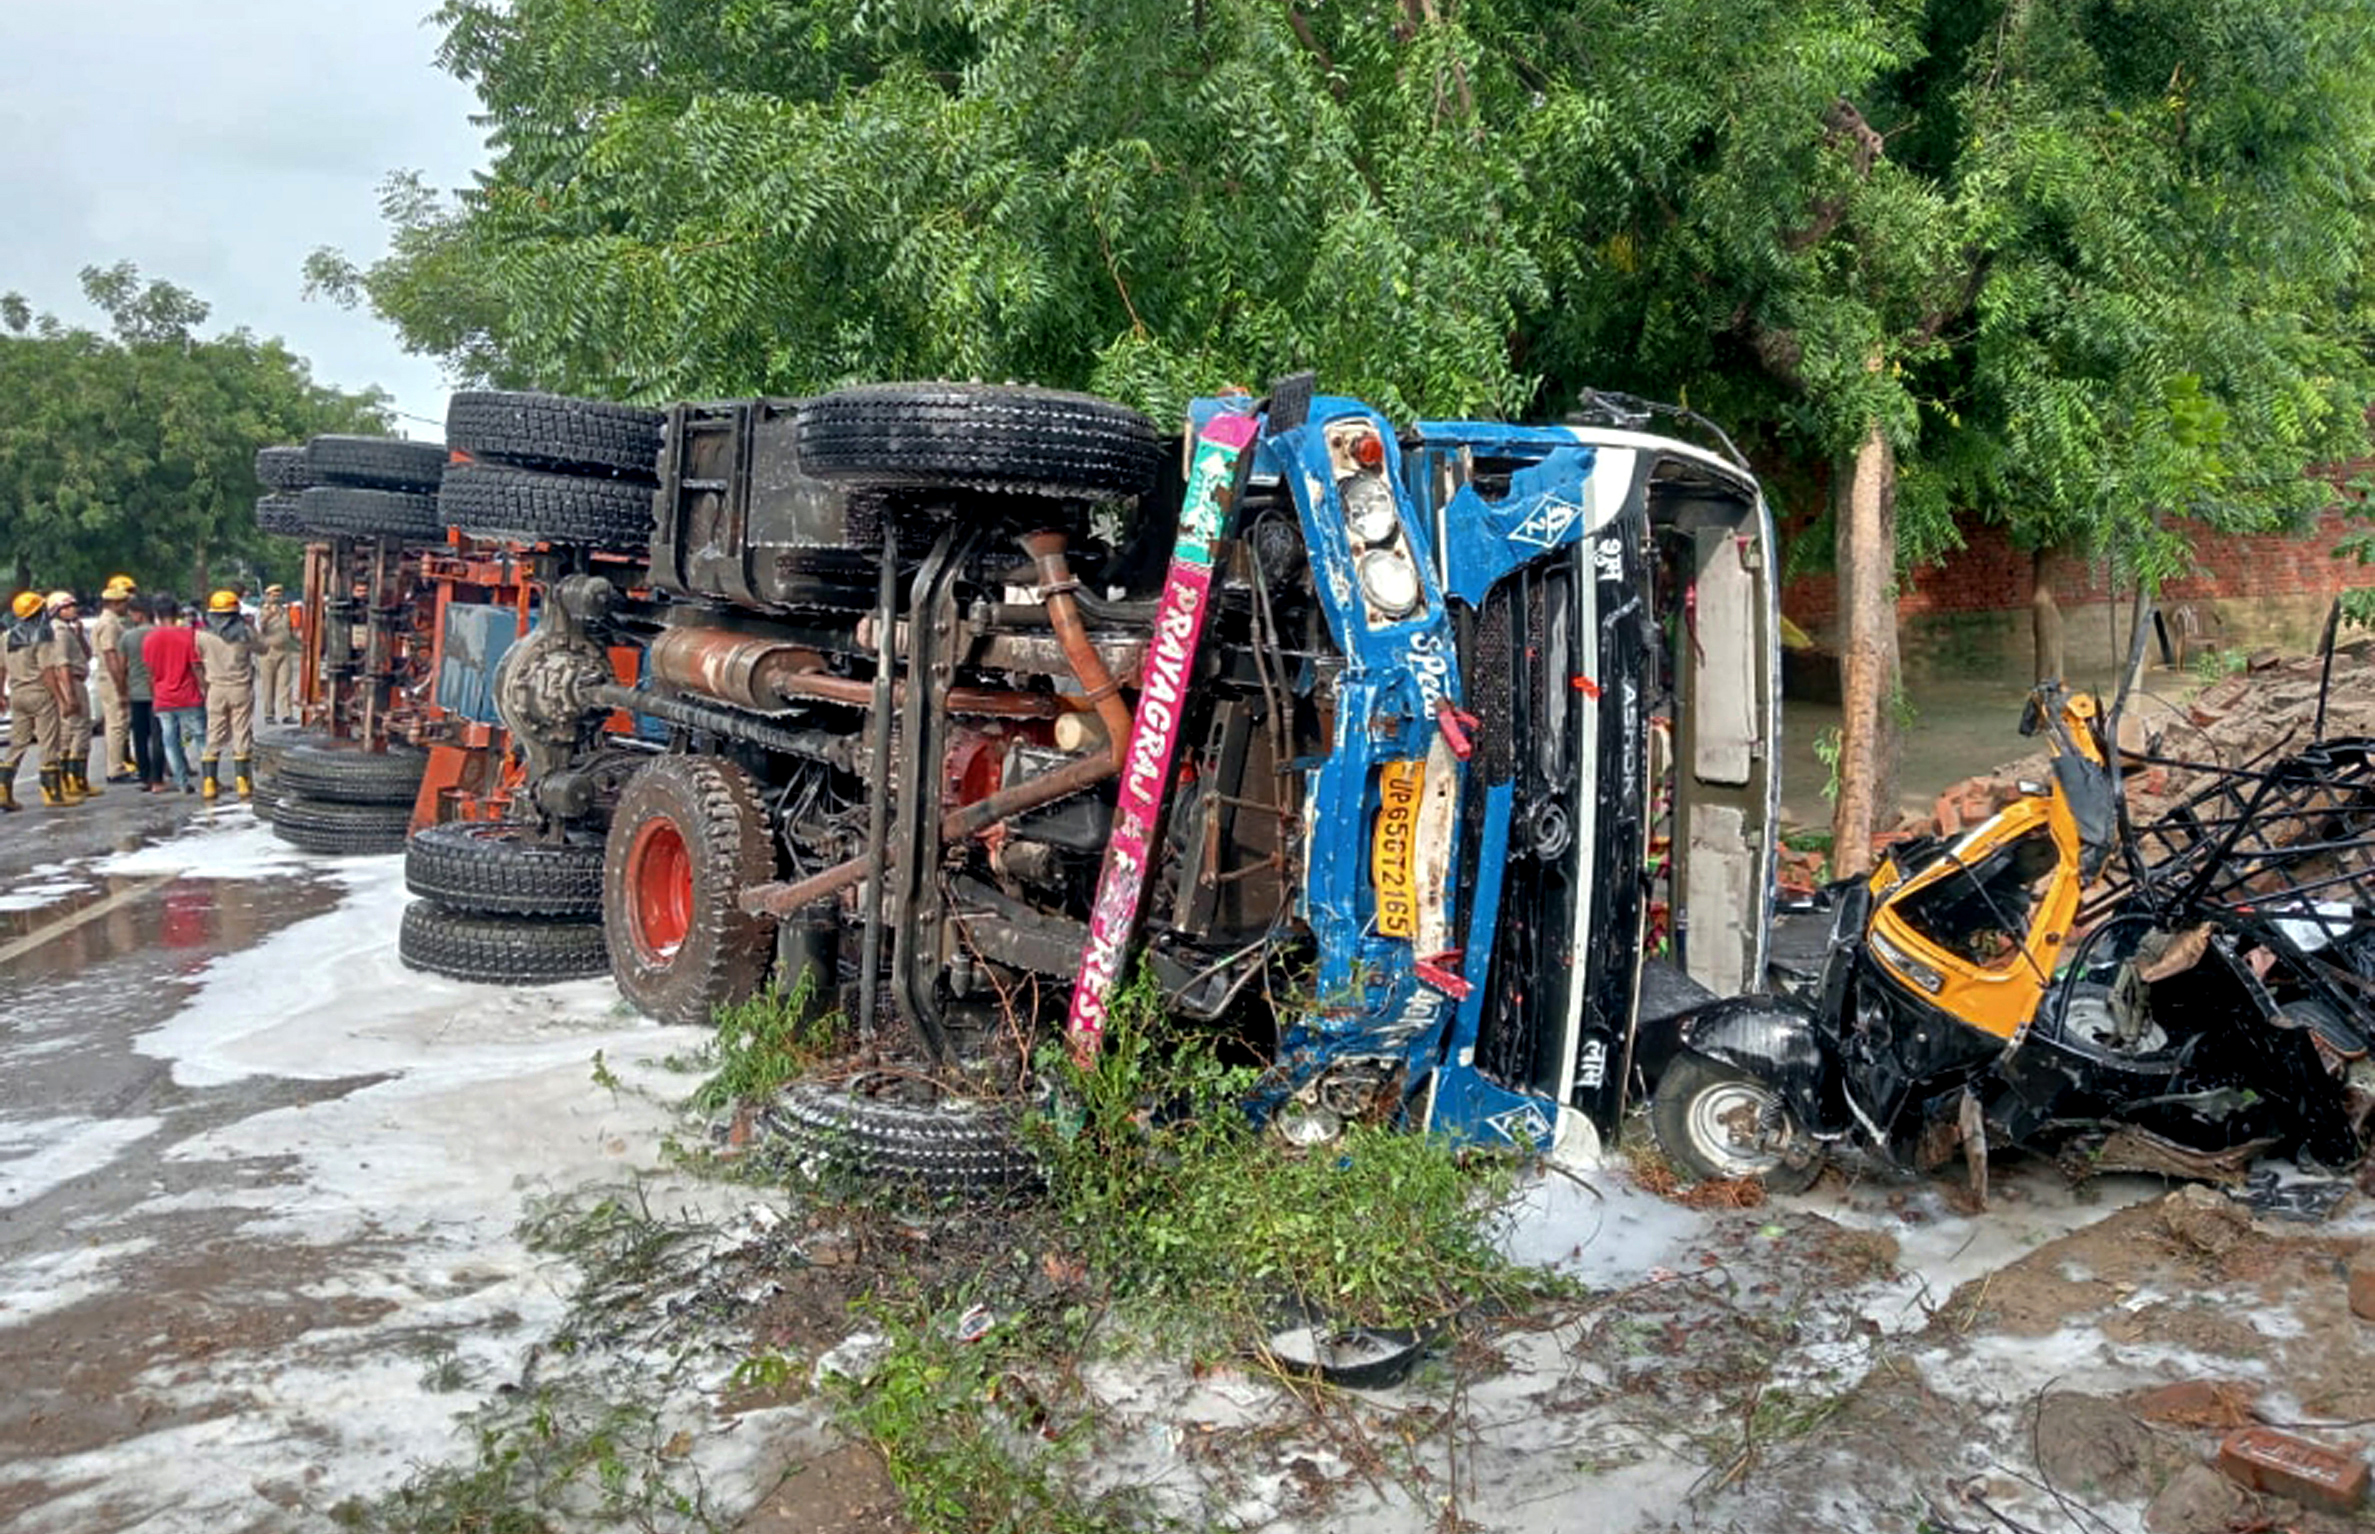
[(285, 1229)]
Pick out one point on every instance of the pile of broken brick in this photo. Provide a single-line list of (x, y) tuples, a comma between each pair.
[(2263, 711)]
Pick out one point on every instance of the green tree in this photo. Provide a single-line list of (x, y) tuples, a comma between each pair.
[(2086, 267), (2089, 268), (135, 451)]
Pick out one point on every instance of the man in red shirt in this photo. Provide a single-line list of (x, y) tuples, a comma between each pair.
[(171, 650)]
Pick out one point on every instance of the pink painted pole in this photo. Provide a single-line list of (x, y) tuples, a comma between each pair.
[(1154, 729)]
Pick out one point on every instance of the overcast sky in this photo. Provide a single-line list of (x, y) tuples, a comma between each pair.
[(215, 145)]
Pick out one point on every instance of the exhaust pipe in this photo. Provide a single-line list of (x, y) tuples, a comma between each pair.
[(1056, 586)]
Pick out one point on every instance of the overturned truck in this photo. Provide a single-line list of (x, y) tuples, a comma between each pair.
[(1417, 762)]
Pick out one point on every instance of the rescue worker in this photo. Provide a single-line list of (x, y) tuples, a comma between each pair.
[(107, 633), (227, 654), (36, 688), (276, 672), (74, 653), (129, 666)]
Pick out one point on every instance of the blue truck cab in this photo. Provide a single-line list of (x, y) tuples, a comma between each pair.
[(1553, 776)]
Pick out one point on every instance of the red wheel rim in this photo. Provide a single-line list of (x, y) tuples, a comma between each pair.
[(659, 890)]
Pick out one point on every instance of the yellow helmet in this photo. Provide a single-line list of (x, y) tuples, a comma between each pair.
[(58, 599), (27, 603), (117, 588), (224, 601)]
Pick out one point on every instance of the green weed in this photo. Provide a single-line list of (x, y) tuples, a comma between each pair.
[(764, 1041), (965, 1433), (621, 1247), (2214, 665), (1173, 1196), (547, 1460), (1827, 746)]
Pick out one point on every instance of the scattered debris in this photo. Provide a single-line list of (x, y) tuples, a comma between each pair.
[(2222, 1404), (2196, 1500), (854, 1358), (2307, 1199), (2265, 1459), (2200, 1222)]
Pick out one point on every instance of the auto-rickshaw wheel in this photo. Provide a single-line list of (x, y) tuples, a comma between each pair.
[(1715, 1121)]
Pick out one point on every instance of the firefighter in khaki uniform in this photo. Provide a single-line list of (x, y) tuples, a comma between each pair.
[(275, 668), (36, 683), (74, 654), (227, 654), (107, 630)]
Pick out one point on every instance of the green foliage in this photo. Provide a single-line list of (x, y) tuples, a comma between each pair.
[(1827, 746), (763, 1041), (956, 1425), (1172, 1194), (2358, 606), (135, 451), (547, 1460), (2094, 268), (1144, 198), (2217, 664)]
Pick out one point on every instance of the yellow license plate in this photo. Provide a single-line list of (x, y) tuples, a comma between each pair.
[(1393, 851)]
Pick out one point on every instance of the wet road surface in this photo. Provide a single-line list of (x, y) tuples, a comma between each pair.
[(258, 1182)]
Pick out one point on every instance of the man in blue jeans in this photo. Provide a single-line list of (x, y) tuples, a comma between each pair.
[(171, 649)]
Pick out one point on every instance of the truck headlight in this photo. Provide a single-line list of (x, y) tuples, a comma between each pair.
[(1369, 510), (1390, 581)]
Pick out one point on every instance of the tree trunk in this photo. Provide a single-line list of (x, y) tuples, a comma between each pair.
[(198, 574), (1864, 517), (2045, 619)]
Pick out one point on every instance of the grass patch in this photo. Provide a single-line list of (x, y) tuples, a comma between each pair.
[(1173, 1196), (548, 1460), (965, 1430), (775, 1036)]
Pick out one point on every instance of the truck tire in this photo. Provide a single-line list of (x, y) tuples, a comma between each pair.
[(687, 837), (1000, 438), (375, 463), (495, 950), (283, 514), (1698, 1114), (340, 830), (491, 500), (343, 511), (553, 431), (959, 1148), (343, 773), (274, 741), (498, 868), (282, 468)]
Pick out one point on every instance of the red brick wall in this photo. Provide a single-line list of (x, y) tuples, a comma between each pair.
[(1988, 575)]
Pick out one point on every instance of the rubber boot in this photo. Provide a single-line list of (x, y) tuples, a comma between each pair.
[(53, 789), (8, 804), (82, 779), (245, 779), (212, 788)]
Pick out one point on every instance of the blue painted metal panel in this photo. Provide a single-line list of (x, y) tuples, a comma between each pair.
[(476, 637)]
